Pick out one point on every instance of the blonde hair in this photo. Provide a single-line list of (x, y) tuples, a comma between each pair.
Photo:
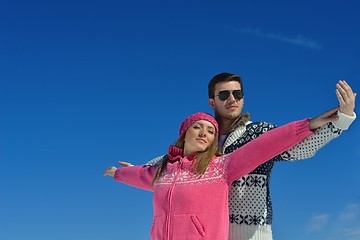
[(201, 159)]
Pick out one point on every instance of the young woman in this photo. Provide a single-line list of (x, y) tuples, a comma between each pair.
[(192, 184)]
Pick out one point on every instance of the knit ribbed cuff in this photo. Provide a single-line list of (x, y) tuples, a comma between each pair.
[(302, 128), (344, 121)]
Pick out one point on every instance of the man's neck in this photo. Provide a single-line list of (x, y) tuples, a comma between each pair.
[(224, 125)]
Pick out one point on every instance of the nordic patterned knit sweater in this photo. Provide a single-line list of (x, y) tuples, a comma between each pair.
[(254, 223), (192, 206)]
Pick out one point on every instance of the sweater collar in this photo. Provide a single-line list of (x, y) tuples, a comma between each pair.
[(176, 154)]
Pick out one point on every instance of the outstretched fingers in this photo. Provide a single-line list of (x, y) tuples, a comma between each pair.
[(125, 164), (110, 171), (346, 97)]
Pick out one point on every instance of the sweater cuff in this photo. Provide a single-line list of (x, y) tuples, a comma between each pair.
[(344, 121), (302, 128)]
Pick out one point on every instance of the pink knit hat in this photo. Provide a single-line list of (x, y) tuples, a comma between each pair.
[(196, 117)]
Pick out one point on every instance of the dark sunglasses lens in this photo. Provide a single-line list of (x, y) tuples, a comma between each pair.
[(223, 95), (238, 94)]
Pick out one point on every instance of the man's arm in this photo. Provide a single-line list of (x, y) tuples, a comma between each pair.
[(346, 115), (309, 146), (156, 161)]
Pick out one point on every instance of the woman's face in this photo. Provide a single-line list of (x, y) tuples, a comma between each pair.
[(198, 137)]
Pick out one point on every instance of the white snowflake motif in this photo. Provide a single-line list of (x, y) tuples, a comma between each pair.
[(167, 177), (211, 173), (184, 176)]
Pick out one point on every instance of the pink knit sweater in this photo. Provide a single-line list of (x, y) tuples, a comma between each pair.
[(192, 206)]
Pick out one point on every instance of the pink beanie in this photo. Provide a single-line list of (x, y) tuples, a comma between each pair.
[(196, 117)]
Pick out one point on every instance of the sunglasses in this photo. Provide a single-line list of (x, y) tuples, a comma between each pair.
[(223, 95)]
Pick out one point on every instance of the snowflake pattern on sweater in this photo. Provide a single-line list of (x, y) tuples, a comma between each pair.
[(215, 173), (249, 198)]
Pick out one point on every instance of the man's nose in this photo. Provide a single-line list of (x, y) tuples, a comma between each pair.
[(231, 97)]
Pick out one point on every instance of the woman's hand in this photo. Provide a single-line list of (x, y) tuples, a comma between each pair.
[(323, 119), (110, 171)]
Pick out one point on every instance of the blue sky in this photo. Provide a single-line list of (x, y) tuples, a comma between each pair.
[(84, 84)]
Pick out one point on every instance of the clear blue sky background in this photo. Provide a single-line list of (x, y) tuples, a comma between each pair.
[(84, 84)]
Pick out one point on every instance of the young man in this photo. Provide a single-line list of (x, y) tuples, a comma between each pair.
[(226, 98)]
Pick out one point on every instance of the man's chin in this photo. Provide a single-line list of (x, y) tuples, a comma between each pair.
[(233, 113)]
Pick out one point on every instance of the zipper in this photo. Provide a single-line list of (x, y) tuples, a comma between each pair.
[(168, 217)]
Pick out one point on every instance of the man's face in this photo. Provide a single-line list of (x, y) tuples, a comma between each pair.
[(231, 107)]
